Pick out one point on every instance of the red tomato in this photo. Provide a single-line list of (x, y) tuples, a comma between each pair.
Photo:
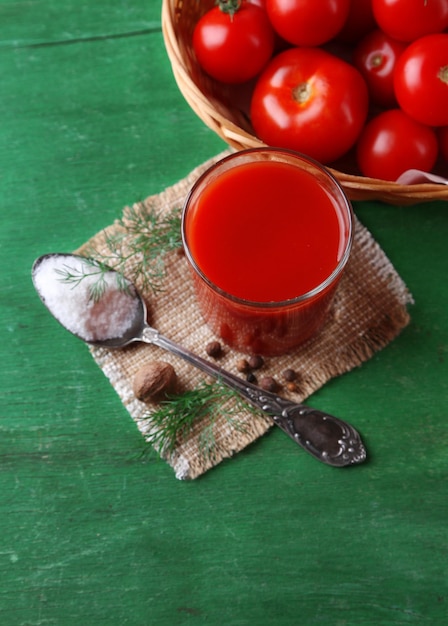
[(421, 80), (407, 20), (233, 48), (307, 22), (310, 101), (279, 43), (359, 22), (375, 57), (392, 142)]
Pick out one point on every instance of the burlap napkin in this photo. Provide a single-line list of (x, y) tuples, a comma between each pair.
[(370, 309)]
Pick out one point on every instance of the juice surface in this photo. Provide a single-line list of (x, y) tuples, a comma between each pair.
[(265, 232)]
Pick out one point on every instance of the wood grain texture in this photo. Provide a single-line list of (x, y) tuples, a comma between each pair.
[(93, 530)]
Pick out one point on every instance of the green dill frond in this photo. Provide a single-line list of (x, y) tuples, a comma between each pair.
[(175, 418), (137, 249), (90, 268), (140, 243)]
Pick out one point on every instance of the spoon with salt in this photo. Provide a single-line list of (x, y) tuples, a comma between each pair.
[(103, 308)]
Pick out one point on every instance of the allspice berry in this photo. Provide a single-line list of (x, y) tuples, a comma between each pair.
[(290, 375), (214, 349), (269, 384), (154, 380), (255, 362), (242, 366)]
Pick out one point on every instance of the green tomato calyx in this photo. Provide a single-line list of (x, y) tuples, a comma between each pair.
[(230, 7)]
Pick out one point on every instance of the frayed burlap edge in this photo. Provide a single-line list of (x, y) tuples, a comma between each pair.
[(369, 311)]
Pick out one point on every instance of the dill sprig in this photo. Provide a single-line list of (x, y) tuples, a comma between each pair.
[(139, 244), (176, 417), (91, 268)]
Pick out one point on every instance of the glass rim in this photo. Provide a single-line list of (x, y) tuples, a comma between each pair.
[(272, 304)]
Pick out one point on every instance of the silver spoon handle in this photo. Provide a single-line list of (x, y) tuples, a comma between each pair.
[(327, 438)]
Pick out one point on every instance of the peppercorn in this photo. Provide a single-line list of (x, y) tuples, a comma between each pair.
[(242, 366), (290, 375), (256, 362), (251, 378), (269, 384), (214, 349)]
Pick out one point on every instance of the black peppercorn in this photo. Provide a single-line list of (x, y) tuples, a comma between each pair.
[(214, 349), (251, 378)]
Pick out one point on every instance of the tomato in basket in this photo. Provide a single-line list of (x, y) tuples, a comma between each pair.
[(233, 41), (309, 100), (421, 80), (308, 22), (376, 56), (392, 142), (408, 20)]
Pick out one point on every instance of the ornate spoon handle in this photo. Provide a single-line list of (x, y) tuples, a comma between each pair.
[(327, 438)]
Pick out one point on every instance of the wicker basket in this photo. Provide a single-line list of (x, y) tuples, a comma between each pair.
[(222, 108)]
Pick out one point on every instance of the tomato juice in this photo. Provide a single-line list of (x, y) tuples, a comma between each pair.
[(267, 233)]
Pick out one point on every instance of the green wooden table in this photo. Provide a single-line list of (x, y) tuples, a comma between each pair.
[(95, 531)]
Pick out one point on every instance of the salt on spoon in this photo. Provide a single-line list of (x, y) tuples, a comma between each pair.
[(67, 284), (90, 301)]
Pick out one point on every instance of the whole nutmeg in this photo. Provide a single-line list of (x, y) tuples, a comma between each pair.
[(153, 380)]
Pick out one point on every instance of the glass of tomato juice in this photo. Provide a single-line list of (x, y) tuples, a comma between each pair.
[(267, 233)]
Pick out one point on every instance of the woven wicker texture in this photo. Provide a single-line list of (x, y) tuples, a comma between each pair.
[(223, 108)]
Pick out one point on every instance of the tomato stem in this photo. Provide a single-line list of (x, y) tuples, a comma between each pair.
[(229, 7), (377, 60), (443, 74), (301, 93)]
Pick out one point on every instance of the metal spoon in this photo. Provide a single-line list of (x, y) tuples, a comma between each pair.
[(327, 438)]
